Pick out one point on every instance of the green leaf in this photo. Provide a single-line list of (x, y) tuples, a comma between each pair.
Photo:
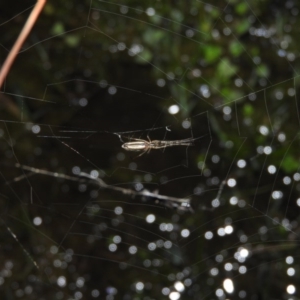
[(254, 51), (290, 164), (156, 19), (205, 26), (242, 27), (144, 57), (262, 71), (72, 40), (177, 15), (153, 36), (241, 8), (212, 53), (225, 69), (248, 110), (230, 95), (57, 28), (215, 13), (236, 48)]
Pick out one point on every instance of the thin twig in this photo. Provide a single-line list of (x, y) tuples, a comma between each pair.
[(20, 40), (180, 203)]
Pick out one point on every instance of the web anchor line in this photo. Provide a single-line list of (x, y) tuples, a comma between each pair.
[(169, 201)]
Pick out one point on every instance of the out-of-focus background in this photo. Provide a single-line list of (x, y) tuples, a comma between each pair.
[(95, 74)]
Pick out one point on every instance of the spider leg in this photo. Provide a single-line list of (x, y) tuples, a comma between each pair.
[(143, 153), (148, 150)]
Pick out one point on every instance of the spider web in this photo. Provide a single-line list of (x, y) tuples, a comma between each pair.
[(84, 219)]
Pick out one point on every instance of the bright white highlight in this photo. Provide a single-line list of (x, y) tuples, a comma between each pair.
[(174, 296), (219, 258), (289, 260), (221, 232), (296, 176), (161, 82), (168, 244), (214, 271), (208, 235), (173, 109), (277, 195), (186, 124), (135, 49), (241, 163), (244, 252), (178, 285), (35, 129), (215, 203), (228, 266), (228, 286), (37, 221), (150, 218), (219, 293), (215, 158), (204, 91), (76, 170), (227, 110), (139, 286), (151, 246), (267, 150), (272, 169), (94, 174), (291, 271), (83, 102), (291, 289), (112, 90), (150, 11), (53, 249), (118, 210), (117, 239), (188, 282), (61, 281), (264, 130), (95, 293), (80, 282), (132, 250), (112, 247), (281, 137), (231, 182), (228, 229), (233, 200), (166, 227), (185, 233)]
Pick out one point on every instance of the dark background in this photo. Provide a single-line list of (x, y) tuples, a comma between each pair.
[(246, 54)]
